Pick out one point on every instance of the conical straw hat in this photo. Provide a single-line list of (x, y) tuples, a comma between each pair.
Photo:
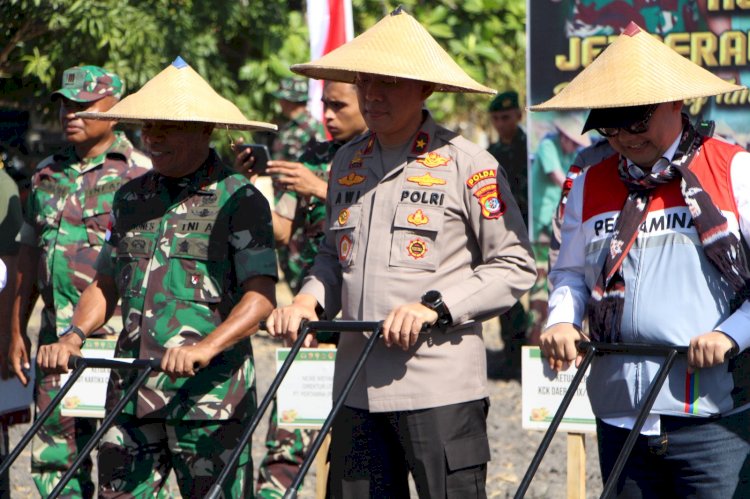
[(396, 46), (178, 93), (636, 69)]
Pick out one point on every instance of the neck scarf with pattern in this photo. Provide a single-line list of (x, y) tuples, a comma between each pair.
[(720, 245)]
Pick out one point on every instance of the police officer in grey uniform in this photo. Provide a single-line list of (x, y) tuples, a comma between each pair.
[(421, 230)]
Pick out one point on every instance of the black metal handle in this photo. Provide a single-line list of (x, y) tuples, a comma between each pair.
[(74, 361), (77, 364), (591, 349), (305, 328), (631, 348)]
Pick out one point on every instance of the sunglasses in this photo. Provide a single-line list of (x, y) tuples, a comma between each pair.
[(640, 126)]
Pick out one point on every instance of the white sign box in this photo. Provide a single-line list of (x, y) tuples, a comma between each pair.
[(305, 396), (543, 389), (87, 397)]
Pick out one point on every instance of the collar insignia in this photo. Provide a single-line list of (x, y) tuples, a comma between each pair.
[(370, 145), (421, 141)]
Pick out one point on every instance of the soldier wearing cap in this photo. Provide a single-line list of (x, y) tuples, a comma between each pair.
[(301, 126), (65, 222), (510, 148), (510, 151), (190, 254), (421, 232), (652, 253)]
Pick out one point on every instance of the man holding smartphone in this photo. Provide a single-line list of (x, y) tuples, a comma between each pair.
[(299, 223)]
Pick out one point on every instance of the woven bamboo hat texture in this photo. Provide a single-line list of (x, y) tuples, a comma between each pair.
[(636, 69), (396, 46), (570, 125), (178, 93)]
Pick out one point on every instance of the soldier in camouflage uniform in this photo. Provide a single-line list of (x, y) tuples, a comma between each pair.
[(190, 253), (65, 222), (511, 152), (291, 142), (301, 128), (299, 222)]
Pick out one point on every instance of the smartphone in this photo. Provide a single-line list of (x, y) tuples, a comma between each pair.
[(261, 155)]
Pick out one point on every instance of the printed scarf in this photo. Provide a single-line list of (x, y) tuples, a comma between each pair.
[(720, 245)]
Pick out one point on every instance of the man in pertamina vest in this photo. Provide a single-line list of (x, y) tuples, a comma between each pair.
[(651, 253)]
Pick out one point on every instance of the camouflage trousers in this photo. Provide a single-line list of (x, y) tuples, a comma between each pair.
[(285, 452), (136, 456), (55, 446), (539, 293)]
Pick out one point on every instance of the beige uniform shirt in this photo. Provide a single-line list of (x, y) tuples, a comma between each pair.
[(442, 219)]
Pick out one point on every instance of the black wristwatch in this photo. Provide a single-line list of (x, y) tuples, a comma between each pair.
[(76, 331), (434, 300)]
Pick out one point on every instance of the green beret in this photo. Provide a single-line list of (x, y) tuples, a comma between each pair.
[(504, 101)]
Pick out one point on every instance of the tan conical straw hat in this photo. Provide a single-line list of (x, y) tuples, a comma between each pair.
[(396, 46), (178, 93), (636, 69)]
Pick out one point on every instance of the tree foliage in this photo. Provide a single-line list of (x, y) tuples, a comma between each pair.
[(242, 47)]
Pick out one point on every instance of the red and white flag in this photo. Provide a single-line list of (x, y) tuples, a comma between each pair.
[(330, 25)]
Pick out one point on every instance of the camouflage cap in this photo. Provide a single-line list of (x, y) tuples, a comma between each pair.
[(504, 101), (292, 89), (89, 84)]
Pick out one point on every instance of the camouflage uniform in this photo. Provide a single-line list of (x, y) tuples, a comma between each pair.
[(179, 255), (285, 449), (66, 218), (294, 137)]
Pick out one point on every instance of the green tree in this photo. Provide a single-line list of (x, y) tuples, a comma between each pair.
[(242, 47)]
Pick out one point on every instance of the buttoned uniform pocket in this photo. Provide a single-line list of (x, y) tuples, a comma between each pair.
[(415, 233), (133, 254), (96, 221), (345, 228), (197, 270)]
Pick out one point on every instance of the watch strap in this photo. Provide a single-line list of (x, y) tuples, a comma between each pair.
[(72, 329)]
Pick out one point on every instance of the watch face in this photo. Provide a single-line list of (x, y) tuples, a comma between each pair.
[(431, 296)]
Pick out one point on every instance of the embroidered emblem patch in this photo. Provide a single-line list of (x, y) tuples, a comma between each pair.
[(356, 161), (433, 160), (489, 200), (427, 180), (343, 216), (417, 248), (421, 141), (418, 218), (345, 247), (351, 179), (479, 176)]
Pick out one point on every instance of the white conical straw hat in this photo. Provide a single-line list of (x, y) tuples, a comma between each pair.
[(178, 93), (396, 46), (635, 70)]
